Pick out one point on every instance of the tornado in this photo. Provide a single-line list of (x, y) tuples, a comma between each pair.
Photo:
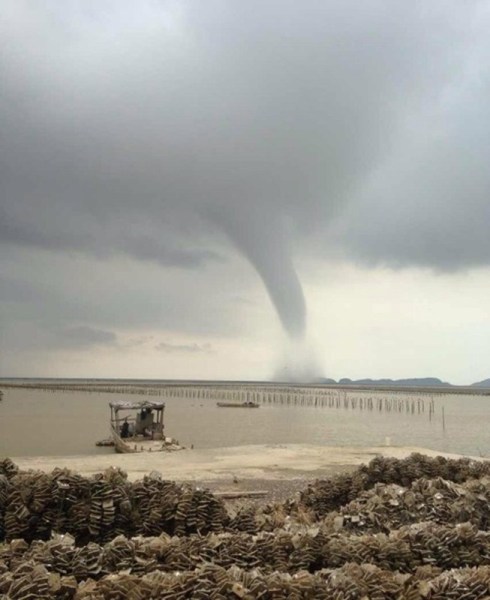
[(261, 237)]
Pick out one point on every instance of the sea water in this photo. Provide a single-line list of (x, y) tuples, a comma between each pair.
[(35, 422)]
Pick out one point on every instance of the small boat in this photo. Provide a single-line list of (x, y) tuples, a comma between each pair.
[(237, 404), (138, 427)]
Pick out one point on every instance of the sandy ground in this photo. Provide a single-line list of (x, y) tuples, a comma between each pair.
[(280, 471), (271, 462)]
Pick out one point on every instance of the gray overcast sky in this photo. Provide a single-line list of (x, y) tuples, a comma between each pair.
[(171, 172)]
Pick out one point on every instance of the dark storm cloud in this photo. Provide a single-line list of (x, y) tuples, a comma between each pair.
[(85, 337), (429, 203), (159, 129), (43, 295)]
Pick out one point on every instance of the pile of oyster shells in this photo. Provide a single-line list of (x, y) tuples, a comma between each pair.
[(33, 505), (394, 529)]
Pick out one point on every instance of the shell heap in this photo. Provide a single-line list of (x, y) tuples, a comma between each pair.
[(394, 529)]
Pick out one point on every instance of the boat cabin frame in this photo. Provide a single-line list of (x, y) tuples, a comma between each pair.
[(137, 422)]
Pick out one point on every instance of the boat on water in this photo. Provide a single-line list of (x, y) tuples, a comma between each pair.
[(237, 404), (138, 427)]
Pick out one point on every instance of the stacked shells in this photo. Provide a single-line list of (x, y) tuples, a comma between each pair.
[(313, 549), (388, 507), (329, 494), (34, 505), (349, 582), (415, 529)]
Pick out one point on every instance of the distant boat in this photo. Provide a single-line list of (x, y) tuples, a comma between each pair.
[(237, 405), (140, 432)]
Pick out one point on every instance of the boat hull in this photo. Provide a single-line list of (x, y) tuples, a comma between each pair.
[(237, 405), (136, 446)]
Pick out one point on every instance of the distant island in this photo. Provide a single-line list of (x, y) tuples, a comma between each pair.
[(411, 382), (482, 384)]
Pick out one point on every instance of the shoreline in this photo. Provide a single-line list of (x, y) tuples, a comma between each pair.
[(278, 471), (264, 461)]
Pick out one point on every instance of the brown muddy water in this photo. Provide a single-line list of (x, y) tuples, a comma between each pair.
[(36, 422)]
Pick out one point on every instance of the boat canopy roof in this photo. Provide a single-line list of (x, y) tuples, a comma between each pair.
[(136, 405)]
